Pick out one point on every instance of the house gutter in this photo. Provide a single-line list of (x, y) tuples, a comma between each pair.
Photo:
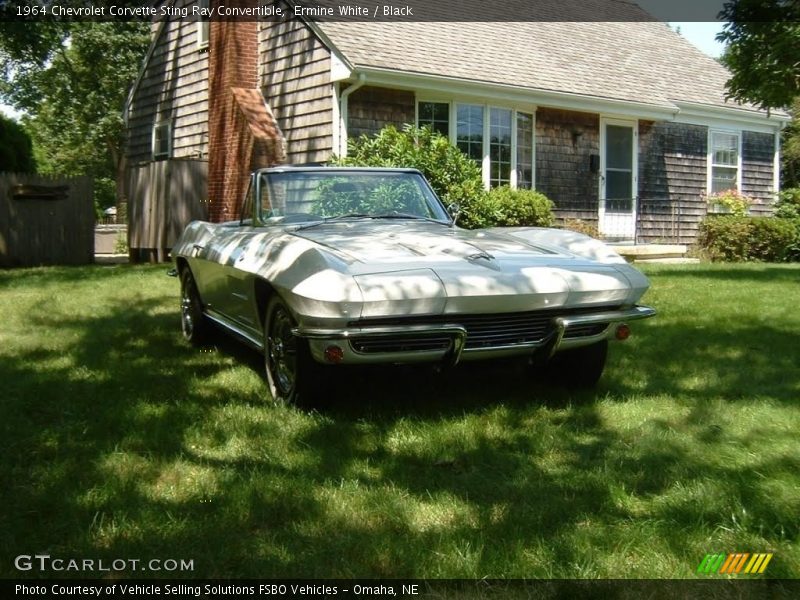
[(344, 110)]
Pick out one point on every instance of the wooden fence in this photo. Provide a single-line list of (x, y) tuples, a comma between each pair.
[(45, 220), (163, 197)]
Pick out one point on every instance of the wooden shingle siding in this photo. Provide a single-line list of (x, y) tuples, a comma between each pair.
[(174, 88), (758, 170), (372, 108), (294, 69), (673, 172), (564, 142)]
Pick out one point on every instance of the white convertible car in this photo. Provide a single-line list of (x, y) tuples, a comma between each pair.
[(339, 266)]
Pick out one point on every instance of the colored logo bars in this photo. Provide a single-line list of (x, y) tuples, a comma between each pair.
[(732, 564)]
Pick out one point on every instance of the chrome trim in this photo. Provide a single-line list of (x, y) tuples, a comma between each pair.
[(249, 338), (552, 342), (453, 356), (630, 314)]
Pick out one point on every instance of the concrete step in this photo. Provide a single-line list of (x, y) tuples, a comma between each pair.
[(650, 252)]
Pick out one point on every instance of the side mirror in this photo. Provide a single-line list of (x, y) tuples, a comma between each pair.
[(455, 210)]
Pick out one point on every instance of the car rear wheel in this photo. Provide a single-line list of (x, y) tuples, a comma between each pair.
[(194, 326), (292, 375), (579, 367)]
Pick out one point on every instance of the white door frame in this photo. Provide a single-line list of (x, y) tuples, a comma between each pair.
[(614, 224)]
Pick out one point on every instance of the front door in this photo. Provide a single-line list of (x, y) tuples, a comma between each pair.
[(618, 180)]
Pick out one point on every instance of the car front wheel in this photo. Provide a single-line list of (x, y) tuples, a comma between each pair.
[(291, 372), (194, 326)]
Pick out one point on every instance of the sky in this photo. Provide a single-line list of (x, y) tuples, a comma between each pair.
[(702, 35), (698, 33)]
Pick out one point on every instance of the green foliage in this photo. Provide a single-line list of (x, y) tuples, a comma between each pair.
[(105, 190), (788, 204), (736, 239), (763, 51), (16, 149), (72, 78), (121, 243), (338, 197), (452, 175), (515, 208), (732, 202), (790, 149)]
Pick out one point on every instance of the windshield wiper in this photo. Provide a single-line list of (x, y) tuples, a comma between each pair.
[(324, 220), (397, 215), (392, 215)]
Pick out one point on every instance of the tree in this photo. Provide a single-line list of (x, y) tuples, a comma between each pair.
[(763, 51), (72, 78), (16, 150), (790, 149)]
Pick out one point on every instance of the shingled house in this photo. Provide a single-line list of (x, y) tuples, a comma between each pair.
[(619, 120)]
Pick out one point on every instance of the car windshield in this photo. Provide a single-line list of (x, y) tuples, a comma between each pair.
[(323, 195)]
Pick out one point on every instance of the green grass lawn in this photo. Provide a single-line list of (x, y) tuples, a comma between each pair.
[(121, 441)]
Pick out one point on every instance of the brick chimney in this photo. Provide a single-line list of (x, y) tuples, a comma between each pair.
[(241, 135)]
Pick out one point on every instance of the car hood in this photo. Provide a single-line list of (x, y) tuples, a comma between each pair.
[(371, 241), (414, 267)]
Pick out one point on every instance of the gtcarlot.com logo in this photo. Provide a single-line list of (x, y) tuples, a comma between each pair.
[(738, 563), (47, 563)]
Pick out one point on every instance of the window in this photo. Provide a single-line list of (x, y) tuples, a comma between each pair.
[(499, 147), (162, 142), (619, 167), (469, 131), (436, 115), (524, 150), (203, 26), (724, 161), (499, 140)]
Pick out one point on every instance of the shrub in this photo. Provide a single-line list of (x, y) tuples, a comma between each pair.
[(516, 208), (452, 174), (793, 249), (580, 226), (788, 204), (771, 238), (731, 202), (737, 238)]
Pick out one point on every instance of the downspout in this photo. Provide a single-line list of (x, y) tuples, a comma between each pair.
[(343, 112)]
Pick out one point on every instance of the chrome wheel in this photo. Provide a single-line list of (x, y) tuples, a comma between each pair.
[(292, 375), (193, 324), (281, 352)]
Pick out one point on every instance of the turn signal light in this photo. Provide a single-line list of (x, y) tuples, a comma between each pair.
[(623, 332), (334, 354)]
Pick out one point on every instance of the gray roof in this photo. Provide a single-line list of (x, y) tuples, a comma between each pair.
[(631, 58)]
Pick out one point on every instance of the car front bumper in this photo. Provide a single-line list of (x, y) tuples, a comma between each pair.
[(453, 340)]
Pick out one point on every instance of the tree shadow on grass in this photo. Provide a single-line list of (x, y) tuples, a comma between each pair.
[(122, 441)]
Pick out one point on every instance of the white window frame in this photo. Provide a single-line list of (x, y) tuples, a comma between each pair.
[(203, 27), (710, 156), (454, 102), (155, 154), (449, 113)]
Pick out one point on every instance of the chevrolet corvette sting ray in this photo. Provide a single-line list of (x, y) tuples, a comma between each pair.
[(339, 266)]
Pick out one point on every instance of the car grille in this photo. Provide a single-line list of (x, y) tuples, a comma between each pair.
[(483, 331), (418, 343)]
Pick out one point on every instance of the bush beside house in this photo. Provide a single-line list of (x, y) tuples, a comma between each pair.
[(455, 178), (738, 238)]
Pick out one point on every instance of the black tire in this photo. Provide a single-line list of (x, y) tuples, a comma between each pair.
[(196, 329), (292, 375), (580, 367)]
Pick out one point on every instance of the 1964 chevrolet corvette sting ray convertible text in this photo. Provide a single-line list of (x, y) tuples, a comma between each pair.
[(337, 266)]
